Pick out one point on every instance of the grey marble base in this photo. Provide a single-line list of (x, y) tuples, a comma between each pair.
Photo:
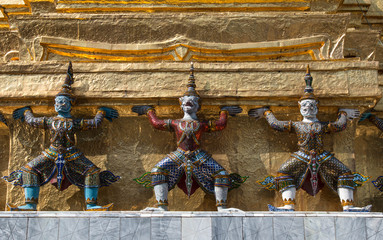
[(190, 225)]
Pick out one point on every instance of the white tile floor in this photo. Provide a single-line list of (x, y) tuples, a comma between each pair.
[(190, 225)]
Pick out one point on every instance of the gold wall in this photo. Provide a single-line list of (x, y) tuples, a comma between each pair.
[(250, 53), (130, 146)]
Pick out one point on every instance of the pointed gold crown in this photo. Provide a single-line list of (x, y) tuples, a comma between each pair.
[(67, 86), (309, 91), (191, 84)]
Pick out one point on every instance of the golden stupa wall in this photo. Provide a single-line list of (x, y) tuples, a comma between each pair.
[(250, 53)]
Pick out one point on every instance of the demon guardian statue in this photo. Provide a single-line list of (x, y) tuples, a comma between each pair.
[(311, 167), (378, 183), (62, 163), (189, 166)]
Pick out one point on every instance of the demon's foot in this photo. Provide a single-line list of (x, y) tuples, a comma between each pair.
[(357, 209), (229, 210), (94, 207), (156, 209), (286, 208), (26, 207)]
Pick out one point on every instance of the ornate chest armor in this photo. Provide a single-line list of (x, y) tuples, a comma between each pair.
[(310, 136), (62, 133), (188, 132)]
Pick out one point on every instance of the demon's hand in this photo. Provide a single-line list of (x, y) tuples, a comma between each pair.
[(142, 109), (366, 115), (351, 113), (257, 112), (19, 113), (232, 110), (110, 113)]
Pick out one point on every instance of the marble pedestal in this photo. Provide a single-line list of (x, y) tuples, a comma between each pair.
[(190, 225)]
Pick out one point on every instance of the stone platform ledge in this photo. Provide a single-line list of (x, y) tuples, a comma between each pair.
[(344, 83), (190, 225)]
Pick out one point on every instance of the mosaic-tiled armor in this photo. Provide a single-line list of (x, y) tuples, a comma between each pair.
[(378, 183), (198, 165), (312, 167), (373, 118), (62, 164), (189, 166)]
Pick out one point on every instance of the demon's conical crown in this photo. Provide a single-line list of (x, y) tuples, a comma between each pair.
[(66, 87), (309, 91)]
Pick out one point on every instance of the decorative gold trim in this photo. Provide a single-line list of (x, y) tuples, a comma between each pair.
[(70, 160), (106, 51), (51, 1), (221, 176), (251, 58), (159, 173), (5, 15), (91, 201), (31, 170), (13, 207), (168, 124), (20, 13), (26, 111), (220, 203), (162, 203), (193, 53), (364, 176), (289, 201), (267, 112), (32, 200), (212, 125), (15, 6), (176, 2), (112, 58), (150, 110), (184, 9), (102, 112), (315, 45), (179, 56), (25, 5), (347, 202)]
